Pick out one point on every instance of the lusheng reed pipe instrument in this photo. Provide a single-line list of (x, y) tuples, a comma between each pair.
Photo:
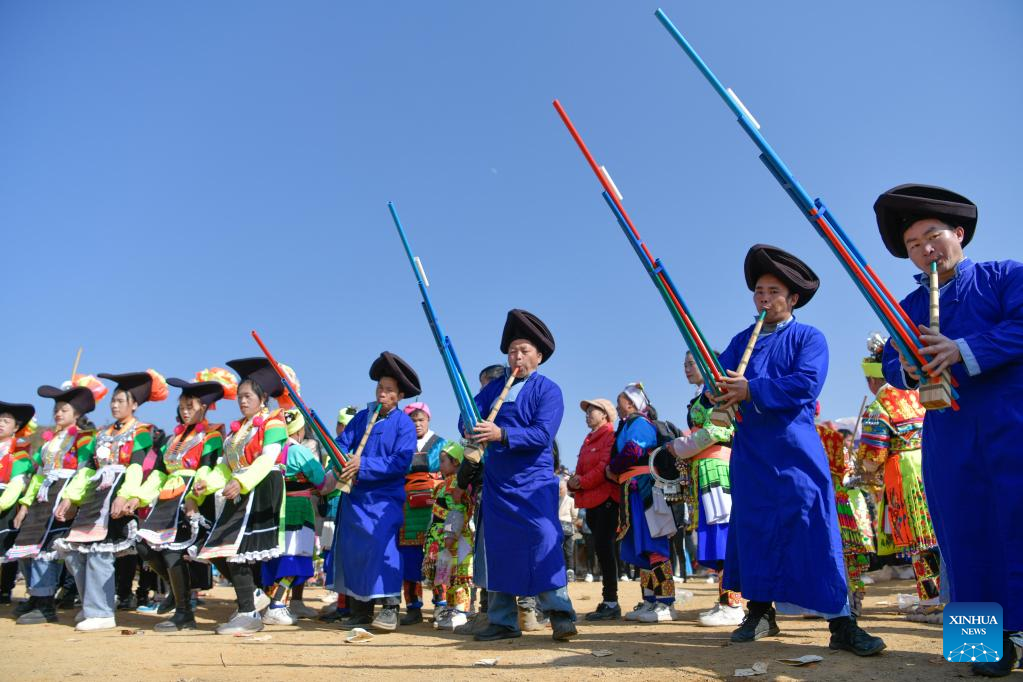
[(726, 416), (905, 336), (365, 434), (935, 394), (337, 458), (474, 450)]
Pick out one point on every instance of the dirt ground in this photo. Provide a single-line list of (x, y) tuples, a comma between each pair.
[(312, 650)]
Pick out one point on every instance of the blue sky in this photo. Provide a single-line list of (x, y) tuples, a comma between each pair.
[(174, 175)]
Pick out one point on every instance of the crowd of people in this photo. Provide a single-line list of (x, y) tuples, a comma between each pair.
[(790, 514)]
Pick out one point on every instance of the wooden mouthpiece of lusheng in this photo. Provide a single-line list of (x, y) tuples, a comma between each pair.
[(473, 453), (936, 395), (723, 416), (344, 486)]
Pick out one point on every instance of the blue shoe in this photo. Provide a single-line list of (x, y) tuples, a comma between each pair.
[(151, 607)]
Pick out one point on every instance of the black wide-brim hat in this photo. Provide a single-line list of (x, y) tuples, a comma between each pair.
[(208, 392), (901, 206), (138, 384), (764, 259), (522, 324), (22, 412), (80, 398), (260, 371), (391, 365)]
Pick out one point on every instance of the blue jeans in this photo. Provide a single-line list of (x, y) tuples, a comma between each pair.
[(42, 576), (94, 575), (503, 608)]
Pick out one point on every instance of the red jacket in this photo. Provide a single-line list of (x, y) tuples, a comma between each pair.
[(594, 456)]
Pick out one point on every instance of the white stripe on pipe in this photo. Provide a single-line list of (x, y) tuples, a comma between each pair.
[(422, 272), (735, 98), (614, 187)]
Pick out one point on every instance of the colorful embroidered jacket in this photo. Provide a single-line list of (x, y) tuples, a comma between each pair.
[(893, 423), (250, 452), (15, 469), (59, 457), (449, 517), (126, 447), (191, 453), (838, 457)]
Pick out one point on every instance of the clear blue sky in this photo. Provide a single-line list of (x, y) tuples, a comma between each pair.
[(174, 175)]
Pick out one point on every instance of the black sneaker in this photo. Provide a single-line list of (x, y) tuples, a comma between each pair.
[(847, 635), (757, 624), (412, 616), (605, 612), (128, 603), (1002, 668), (356, 620), (386, 620), (24, 606), (495, 632), (563, 627)]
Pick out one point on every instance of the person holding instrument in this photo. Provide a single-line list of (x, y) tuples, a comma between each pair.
[(971, 456), (382, 440), (784, 545)]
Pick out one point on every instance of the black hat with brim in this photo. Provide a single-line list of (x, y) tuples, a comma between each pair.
[(22, 412), (901, 206), (261, 372), (208, 392), (391, 365), (764, 259), (138, 384), (80, 398), (522, 324)]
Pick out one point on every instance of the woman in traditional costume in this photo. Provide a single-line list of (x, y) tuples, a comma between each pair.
[(15, 471), (249, 478), (64, 446), (102, 497), (175, 524)]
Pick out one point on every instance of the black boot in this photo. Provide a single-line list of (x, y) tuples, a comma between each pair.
[(44, 612), (183, 618), (387, 619), (847, 635), (24, 606), (759, 622), (412, 616), (1004, 667)]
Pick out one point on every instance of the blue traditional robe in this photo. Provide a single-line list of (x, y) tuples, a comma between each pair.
[(971, 458), (521, 532), (783, 538), (367, 564)]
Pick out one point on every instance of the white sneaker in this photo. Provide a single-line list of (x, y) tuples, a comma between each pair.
[(725, 615), (80, 616), (623, 578), (241, 624), (711, 612), (454, 619), (94, 624), (441, 618), (660, 613), (640, 609), (588, 578), (300, 610), (279, 616), (262, 601)]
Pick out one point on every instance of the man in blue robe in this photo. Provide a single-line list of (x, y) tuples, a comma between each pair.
[(520, 532), (971, 462), (783, 543), (367, 563)]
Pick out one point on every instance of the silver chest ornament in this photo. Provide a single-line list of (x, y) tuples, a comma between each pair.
[(668, 476)]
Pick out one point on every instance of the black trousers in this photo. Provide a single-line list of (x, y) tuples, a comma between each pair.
[(603, 523), (8, 575), (242, 579)]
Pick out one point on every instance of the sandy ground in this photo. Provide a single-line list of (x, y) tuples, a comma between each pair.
[(313, 650)]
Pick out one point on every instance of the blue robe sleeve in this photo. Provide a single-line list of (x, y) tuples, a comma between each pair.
[(546, 421), (1003, 343), (391, 461), (803, 385)]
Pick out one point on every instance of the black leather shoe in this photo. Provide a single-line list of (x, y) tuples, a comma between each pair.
[(758, 623), (1002, 668), (605, 612), (563, 627), (386, 620), (848, 636), (494, 632), (412, 616), (181, 620)]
